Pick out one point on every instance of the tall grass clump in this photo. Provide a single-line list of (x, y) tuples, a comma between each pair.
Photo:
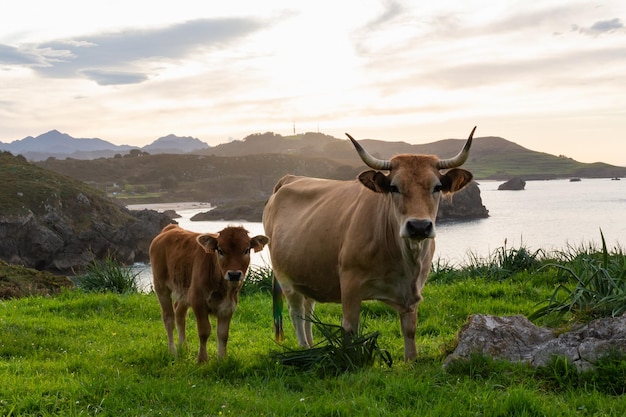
[(258, 279), (338, 351), (108, 275), (504, 262), (592, 285)]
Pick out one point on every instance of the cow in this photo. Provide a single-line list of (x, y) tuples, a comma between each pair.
[(371, 238), (204, 272)]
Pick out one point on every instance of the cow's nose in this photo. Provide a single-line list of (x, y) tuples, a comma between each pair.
[(418, 229), (234, 275)]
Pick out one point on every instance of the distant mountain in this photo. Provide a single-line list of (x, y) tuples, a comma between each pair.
[(175, 144), (57, 144), (61, 145)]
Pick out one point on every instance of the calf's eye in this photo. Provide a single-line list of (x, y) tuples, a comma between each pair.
[(437, 188)]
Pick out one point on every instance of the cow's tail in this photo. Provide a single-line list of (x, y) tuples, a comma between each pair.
[(277, 309)]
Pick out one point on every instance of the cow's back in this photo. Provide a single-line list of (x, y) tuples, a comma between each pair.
[(174, 254), (313, 224)]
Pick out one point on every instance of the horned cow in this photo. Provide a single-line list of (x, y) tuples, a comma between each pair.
[(370, 238), (204, 272)]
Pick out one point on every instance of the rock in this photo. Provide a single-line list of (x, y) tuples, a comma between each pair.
[(516, 339), (251, 212), (514, 184), (463, 205)]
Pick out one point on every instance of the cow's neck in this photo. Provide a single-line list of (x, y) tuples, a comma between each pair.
[(414, 253)]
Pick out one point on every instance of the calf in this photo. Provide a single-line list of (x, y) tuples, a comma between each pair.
[(204, 272)]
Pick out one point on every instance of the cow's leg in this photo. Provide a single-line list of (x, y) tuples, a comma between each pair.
[(181, 322), (167, 314), (223, 326), (408, 324), (309, 307), (297, 314), (350, 305), (204, 330)]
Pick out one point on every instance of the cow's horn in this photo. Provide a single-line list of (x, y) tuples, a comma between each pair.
[(369, 160), (460, 158)]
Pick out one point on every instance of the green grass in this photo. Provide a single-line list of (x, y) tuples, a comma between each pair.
[(105, 354)]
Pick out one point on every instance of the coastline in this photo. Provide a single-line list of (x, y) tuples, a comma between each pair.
[(188, 205)]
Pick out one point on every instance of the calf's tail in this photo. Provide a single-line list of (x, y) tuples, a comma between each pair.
[(277, 310)]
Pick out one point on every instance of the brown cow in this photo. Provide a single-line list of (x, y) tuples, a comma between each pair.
[(204, 272), (366, 239)]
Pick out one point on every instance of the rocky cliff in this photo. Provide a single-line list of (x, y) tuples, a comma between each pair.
[(52, 222)]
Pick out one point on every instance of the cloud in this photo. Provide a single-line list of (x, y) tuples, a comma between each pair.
[(120, 57), (10, 55), (600, 27)]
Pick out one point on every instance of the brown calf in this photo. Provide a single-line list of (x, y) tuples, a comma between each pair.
[(204, 272)]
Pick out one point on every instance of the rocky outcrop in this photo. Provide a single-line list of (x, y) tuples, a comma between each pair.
[(514, 184), (463, 205), (250, 212), (53, 242), (52, 222), (516, 339)]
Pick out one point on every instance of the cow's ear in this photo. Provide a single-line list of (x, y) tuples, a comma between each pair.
[(375, 181), (455, 179), (258, 242), (208, 242)]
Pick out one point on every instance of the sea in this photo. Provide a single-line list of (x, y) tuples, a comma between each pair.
[(553, 215)]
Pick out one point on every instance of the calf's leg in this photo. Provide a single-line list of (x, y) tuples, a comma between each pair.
[(181, 322), (204, 330), (223, 326), (167, 314)]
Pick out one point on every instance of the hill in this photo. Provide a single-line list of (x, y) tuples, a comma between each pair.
[(49, 221), (490, 158)]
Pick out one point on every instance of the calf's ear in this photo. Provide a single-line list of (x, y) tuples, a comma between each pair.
[(258, 242), (455, 179), (375, 181), (208, 242)]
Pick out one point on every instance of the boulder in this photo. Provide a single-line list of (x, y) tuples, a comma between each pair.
[(463, 205), (514, 184), (516, 339)]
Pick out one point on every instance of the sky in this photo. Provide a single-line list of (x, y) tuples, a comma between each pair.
[(549, 75)]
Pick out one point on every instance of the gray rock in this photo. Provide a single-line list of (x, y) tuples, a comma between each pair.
[(514, 184), (516, 339)]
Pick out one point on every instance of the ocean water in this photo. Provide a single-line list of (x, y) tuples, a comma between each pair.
[(549, 215)]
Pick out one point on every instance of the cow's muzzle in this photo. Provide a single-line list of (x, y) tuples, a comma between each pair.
[(234, 276), (418, 229)]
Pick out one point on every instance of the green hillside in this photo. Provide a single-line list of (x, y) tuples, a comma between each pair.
[(248, 169)]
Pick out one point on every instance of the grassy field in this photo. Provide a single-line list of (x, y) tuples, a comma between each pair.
[(105, 354)]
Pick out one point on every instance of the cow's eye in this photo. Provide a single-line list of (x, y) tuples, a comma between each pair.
[(394, 188), (247, 251), (437, 188), (220, 252)]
